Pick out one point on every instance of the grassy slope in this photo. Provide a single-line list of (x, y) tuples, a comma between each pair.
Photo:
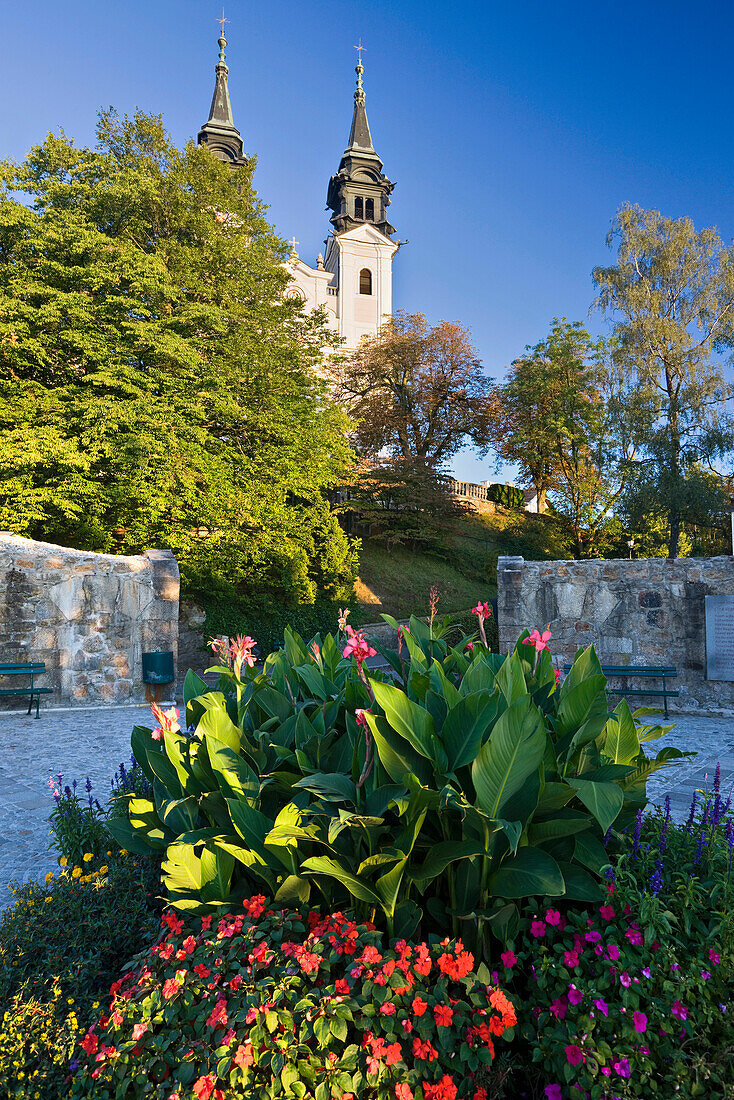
[(397, 582)]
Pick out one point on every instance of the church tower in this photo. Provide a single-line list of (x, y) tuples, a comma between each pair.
[(219, 132), (360, 251)]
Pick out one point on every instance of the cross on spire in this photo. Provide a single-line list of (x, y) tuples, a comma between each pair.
[(222, 21), (360, 48), (294, 243)]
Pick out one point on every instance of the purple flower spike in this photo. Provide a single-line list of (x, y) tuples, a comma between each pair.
[(636, 835), (656, 879), (699, 848), (692, 814)]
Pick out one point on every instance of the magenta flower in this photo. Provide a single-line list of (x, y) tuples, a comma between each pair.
[(602, 1007), (606, 912), (553, 917), (575, 996), (625, 979), (508, 959), (574, 1055), (592, 937), (705, 975), (558, 1008), (537, 929), (679, 1011), (612, 951), (540, 641), (640, 1021), (634, 936), (571, 958), (714, 957), (553, 1092), (357, 646), (622, 1067), (482, 611), (645, 972)]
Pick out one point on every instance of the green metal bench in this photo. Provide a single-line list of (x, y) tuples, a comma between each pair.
[(662, 672), (22, 668)]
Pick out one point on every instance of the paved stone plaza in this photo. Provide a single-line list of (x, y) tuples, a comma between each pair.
[(80, 743)]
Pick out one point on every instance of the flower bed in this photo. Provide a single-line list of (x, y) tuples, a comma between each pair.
[(260, 1003)]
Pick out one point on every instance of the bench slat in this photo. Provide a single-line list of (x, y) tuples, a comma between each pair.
[(20, 669), (641, 691), (26, 691)]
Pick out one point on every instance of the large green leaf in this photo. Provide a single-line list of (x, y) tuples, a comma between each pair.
[(217, 866), (531, 871), (510, 679), (509, 758), (217, 722), (407, 718), (332, 787), (441, 856), (180, 815), (565, 823), (603, 800), (580, 886), (591, 852), (323, 865), (138, 840), (397, 757), (578, 704), (479, 677), (466, 725), (234, 775), (192, 687), (621, 744), (554, 796)]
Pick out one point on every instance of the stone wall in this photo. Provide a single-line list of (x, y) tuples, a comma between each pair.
[(88, 616), (644, 612)]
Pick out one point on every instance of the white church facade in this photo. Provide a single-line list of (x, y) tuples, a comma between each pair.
[(353, 281)]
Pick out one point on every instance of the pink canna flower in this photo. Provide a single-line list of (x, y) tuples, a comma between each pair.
[(240, 650), (540, 641), (342, 620), (167, 721), (358, 647), (482, 611), (360, 716)]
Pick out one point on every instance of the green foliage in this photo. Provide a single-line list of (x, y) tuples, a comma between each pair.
[(157, 383), (509, 496), (467, 789), (38, 1033), (262, 1005), (672, 290), (662, 946), (77, 931)]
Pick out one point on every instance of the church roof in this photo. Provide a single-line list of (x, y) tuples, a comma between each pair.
[(360, 139), (219, 131)]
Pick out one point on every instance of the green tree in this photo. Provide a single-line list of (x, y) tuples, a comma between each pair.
[(157, 384), (561, 417), (672, 291)]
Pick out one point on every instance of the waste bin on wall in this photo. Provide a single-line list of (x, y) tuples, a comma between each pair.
[(158, 667)]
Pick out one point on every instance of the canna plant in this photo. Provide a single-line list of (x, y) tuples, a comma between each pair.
[(435, 796)]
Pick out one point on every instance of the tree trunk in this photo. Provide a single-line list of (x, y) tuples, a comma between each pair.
[(542, 504), (675, 529)]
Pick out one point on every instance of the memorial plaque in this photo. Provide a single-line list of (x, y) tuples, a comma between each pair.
[(719, 637)]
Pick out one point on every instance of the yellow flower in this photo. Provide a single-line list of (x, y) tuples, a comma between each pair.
[(103, 869), (123, 852), (109, 853), (49, 876), (76, 872), (63, 861), (48, 899), (87, 856)]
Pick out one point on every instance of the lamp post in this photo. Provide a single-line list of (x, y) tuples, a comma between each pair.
[(631, 542)]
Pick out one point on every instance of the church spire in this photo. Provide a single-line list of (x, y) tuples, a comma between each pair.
[(219, 131), (360, 192), (359, 136)]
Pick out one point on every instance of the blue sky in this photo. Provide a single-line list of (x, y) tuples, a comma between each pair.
[(514, 130)]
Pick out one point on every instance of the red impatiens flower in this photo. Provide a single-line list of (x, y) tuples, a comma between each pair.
[(393, 1054), (218, 1017), (402, 1092), (244, 1056), (90, 1043), (139, 1030), (419, 1006), (443, 1015), (206, 1088), (445, 1089), (424, 1050)]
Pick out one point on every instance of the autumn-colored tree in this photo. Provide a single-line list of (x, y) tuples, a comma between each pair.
[(416, 392), (672, 292)]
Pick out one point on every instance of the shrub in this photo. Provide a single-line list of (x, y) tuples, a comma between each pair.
[(442, 795), (635, 998), (38, 1034), (507, 495), (77, 929), (77, 824), (258, 1006)]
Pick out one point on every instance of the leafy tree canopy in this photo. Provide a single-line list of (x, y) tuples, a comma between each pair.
[(157, 385), (672, 294)]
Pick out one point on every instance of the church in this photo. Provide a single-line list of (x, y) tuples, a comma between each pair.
[(353, 280)]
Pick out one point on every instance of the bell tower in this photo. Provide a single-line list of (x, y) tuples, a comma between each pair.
[(360, 250), (219, 132)]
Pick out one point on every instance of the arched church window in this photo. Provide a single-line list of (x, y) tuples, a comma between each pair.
[(369, 212), (365, 281), (359, 208)]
